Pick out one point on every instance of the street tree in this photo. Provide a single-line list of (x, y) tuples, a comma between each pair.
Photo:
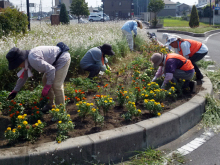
[(155, 6), (79, 8), (194, 18), (64, 17)]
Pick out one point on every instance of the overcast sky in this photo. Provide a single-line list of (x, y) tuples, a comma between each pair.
[(46, 4)]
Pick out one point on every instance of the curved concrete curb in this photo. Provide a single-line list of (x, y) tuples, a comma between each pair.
[(190, 33), (115, 144)]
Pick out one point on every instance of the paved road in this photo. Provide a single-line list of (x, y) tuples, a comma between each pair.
[(208, 153)]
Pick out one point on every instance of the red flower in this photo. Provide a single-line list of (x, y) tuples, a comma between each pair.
[(75, 90), (35, 102), (80, 90), (20, 104), (37, 112), (68, 98), (32, 108), (85, 98), (9, 110), (48, 98), (41, 99), (32, 114), (98, 86), (17, 112)]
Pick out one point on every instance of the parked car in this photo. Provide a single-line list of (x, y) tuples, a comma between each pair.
[(82, 20), (106, 17), (95, 18)]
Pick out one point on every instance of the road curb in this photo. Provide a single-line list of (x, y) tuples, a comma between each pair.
[(116, 144), (189, 33)]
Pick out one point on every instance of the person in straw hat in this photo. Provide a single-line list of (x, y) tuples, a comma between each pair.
[(174, 67), (53, 61), (127, 29)]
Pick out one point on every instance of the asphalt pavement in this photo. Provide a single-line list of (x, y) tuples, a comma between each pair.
[(202, 146)]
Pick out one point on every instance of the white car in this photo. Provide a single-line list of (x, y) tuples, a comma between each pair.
[(95, 18)]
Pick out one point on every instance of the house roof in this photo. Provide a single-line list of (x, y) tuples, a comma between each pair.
[(182, 4), (169, 2)]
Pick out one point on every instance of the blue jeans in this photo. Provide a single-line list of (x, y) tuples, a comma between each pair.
[(196, 57), (94, 70)]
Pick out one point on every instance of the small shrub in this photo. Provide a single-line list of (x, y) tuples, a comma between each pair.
[(194, 18)]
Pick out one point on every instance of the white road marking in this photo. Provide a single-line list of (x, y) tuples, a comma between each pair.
[(210, 36)]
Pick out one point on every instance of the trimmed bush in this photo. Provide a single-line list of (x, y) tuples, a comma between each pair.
[(13, 22), (194, 18), (64, 18)]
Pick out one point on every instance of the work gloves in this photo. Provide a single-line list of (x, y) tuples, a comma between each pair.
[(107, 71), (46, 90), (12, 95)]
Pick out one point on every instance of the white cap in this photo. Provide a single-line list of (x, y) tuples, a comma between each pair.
[(170, 40)]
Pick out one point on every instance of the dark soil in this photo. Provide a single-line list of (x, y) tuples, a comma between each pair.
[(86, 127)]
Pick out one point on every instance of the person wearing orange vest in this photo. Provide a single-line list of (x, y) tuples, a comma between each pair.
[(174, 67), (94, 60), (190, 49)]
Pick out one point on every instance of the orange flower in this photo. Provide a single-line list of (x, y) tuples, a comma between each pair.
[(98, 95), (17, 112), (11, 115), (35, 106), (14, 103), (75, 90), (133, 80), (143, 80), (65, 99), (80, 90), (20, 104), (68, 98), (136, 77), (83, 98), (98, 86), (37, 112), (65, 96), (78, 99)]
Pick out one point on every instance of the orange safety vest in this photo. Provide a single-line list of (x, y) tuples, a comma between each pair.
[(195, 46), (187, 64)]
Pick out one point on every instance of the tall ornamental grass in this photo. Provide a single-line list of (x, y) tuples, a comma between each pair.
[(79, 37)]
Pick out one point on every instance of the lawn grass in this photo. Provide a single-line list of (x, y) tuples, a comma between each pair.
[(182, 25)]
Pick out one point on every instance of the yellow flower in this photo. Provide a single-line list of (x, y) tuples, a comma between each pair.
[(80, 102), (125, 92), (19, 117), (174, 83), (110, 98), (57, 110), (139, 111), (145, 100), (36, 124), (154, 94), (77, 105), (91, 104), (61, 104), (9, 129), (142, 94), (69, 121), (146, 95), (68, 115), (14, 130), (60, 122), (78, 111), (39, 122), (58, 141), (25, 122), (184, 80), (172, 88), (152, 100), (169, 93), (129, 102), (105, 101), (134, 106), (19, 127), (133, 103), (53, 109), (148, 84), (25, 115), (127, 97), (53, 106), (87, 104), (158, 114), (151, 92), (93, 109)]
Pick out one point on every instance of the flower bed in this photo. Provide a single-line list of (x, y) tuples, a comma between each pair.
[(124, 97)]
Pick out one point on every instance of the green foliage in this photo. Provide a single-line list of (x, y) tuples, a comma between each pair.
[(12, 21), (155, 6), (194, 18), (64, 18), (79, 8)]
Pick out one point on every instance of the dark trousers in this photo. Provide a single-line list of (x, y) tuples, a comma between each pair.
[(94, 70), (196, 57)]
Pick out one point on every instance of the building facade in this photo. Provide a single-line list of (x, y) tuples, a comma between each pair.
[(58, 3), (122, 9), (169, 9), (183, 9), (4, 4)]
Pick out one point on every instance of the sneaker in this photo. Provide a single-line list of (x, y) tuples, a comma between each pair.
[(46, 108), (192, 86)]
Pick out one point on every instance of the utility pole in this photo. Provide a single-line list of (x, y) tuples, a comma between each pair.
[(28, 14), (21, 5)]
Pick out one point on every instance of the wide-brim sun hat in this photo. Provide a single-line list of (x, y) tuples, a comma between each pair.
[(170, 40), (15, 57), (156, 58), (107, 49), (140, 23)]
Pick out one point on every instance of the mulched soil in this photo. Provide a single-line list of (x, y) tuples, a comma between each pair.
[(86, 127)]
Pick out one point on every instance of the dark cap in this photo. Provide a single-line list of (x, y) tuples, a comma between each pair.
[(15, 57), (107, 49)]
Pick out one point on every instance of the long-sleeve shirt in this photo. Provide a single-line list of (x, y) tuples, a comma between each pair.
[(185, 46), (129, 26), (93, 56), (170, 67), (41, 59)]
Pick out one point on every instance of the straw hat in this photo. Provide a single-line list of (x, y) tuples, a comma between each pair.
[(156, 58), (140, 23)]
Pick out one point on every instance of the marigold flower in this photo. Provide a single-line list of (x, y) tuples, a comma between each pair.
[(27, 127), (139, 111), (76, 91), (158, 114), (78, 99), (35, 102), (32, 114), (110, 101), (19, 117), (91, 104), (84, 98), (25, 115), (9, 129), (36, 124), (105, 101), (53, 106), (19, 127), (78, 111), (57, 110), (87, 104), (60, 122), (58, 141), (69, 121), (11, 115), (146, 95), (39, 122), (20, 104), (14, 130), (93, 109), (37, 112), (127, 97), (33, 126), (77, 104), (25, 122), (41, 99), (68, 115)]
